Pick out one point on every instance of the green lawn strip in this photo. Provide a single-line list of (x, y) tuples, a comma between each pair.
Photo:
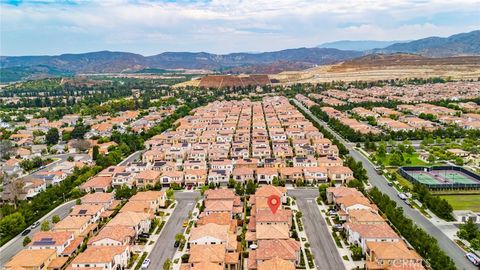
[(139, 264), (463, 202)]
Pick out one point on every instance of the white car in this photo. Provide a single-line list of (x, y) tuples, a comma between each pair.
[(402, 196), (473, 258), (145, 264), (34, 225)]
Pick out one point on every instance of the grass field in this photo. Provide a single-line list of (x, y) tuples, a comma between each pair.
[(464, 202), (415, 161)]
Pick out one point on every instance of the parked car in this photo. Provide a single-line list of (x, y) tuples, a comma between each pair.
[(402, 196), (34, 225), (176, 244), (145, 264), (332, 212), (390, 184), (473, 258), (407, 202), (27, 231), (338, 226)]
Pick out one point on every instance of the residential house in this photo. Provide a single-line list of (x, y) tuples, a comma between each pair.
[(31, 259), (102, 257), (113, 236)]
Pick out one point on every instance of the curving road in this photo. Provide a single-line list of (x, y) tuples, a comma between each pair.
[(379, 181)]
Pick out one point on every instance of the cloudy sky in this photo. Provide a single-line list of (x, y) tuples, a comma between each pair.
[(221, 26)]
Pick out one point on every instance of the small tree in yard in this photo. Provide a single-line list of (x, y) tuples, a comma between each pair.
[(180, 238), (251, 187), (167, 265), (55, 219), (26, 240), (45, 226)]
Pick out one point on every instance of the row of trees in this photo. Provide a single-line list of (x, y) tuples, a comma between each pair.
[(426, 245), (437, 205), (469, 231)]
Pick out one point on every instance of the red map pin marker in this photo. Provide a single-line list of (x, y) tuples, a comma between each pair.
[(273, 202)]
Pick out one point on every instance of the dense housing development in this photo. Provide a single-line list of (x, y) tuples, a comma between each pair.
[(188, 186)]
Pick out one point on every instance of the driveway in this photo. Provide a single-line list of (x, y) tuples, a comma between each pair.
[(379, 181), (163, 248), (323, 247)]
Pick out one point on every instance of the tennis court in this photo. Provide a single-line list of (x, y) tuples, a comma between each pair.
[(424, 178), (440, 177), (456, 177)]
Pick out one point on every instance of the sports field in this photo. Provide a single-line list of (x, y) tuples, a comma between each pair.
[(442, 177), (463, 202)]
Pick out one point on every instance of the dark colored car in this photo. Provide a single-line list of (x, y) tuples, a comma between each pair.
[(27, 231), (176, 244)]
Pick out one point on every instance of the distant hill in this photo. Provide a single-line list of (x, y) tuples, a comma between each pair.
[(358, 45), (464, 44), (13, 68), (107, 61)]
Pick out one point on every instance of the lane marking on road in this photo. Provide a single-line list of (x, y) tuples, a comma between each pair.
[(309, 201), (189, 203)]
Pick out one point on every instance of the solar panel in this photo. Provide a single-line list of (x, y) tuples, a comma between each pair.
[(82, 212), (44, 242)]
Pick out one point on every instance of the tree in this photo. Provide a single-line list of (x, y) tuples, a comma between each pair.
[(12, 225), (124, 192), (251, 187), (170, 194), (431, 158), (382, 150), (239, 190), (231, 183), (6, 148), (81, 145), (179, 238), (459, 161), (45, 226), (52, 136), (468, 230), (355, 183), (322, 189), (95, 152), (275, 181), (167, 265), (55, 219), (26, 241), (70, 159), (396, 159), (79, 130)]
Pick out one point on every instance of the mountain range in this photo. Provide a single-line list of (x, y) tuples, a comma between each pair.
[(358, 45), (14, 68)]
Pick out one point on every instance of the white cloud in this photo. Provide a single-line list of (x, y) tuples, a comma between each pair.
[(221, 26)]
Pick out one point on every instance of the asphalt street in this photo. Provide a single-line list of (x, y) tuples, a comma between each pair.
[(379, 181), (61, 158), (163, 248), (323, 247), (14, 246), (133, 157)]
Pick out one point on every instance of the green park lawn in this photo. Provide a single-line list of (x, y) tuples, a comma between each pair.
[(463, 202), (415, 160)]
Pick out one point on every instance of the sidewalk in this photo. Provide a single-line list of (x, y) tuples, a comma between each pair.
[(344, 250), (301, 235), (148, 247)]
